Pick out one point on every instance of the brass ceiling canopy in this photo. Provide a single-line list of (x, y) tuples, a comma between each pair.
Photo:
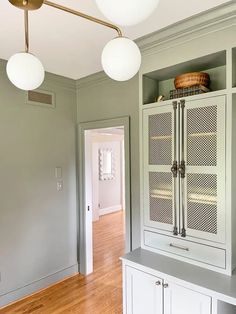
[(28, 5)]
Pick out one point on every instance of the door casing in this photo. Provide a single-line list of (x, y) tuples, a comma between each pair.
[(81, 200)]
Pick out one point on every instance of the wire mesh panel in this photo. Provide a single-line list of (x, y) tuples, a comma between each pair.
[(202, 202), (202, 136), (160, 139), (204, 195), (160, 196)]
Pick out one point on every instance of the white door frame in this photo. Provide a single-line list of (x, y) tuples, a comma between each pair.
[(83, 253)]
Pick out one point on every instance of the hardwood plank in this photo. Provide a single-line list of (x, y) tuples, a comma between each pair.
[(98, 293)]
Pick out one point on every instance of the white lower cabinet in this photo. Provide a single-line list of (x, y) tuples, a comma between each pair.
[(147, 294), (180, 300), (144, 292)]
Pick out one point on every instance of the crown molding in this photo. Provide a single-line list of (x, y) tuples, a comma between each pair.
[(91, 80), (192, 25), (60, 81)]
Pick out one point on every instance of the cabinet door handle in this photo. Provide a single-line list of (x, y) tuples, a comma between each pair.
[(182, 168), (165, 285), (158, 283), (174, 168), (179, 247)]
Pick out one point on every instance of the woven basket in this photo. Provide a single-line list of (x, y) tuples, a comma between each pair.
[(191, 79)]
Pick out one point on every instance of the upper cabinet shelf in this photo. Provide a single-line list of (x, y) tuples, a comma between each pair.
[(161, 82)]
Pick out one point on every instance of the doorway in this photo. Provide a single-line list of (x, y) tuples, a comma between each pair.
[(104, 189)]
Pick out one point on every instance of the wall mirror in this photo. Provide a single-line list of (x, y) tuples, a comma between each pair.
[(106, 164)]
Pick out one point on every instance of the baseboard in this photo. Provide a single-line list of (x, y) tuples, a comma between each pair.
[(35, 286), (109, 210)]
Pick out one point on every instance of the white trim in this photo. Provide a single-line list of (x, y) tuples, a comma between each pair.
[(37, 285), (83, 234), (109, 210)]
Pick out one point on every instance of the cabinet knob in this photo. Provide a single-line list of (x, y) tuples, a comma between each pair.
[(165, 285), (158, 283)]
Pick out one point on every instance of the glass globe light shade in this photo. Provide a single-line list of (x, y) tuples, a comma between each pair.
[(127, 12), (121, 59), (25, 71)]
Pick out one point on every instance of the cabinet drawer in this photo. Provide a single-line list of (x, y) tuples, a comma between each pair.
[(198, 252)]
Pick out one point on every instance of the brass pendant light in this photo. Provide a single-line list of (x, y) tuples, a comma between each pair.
[(121, 58)]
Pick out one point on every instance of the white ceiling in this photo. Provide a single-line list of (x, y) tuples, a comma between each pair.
[(70, 46)]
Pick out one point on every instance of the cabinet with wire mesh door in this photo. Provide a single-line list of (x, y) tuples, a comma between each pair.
[(184, 170)]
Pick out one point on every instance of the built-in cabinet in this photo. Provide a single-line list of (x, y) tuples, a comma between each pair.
[(187, 162), (184, 177), (149, 294), (157, 284), (188, 173), (184, 162)]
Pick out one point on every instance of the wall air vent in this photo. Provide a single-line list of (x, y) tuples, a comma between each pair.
[(41, 98)]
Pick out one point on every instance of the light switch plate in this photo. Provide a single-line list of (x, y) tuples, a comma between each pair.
[(59, 186), (58, 172)]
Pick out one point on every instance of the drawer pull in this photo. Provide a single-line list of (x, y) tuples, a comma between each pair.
[(158, 283), (179, 247), (165, 285)]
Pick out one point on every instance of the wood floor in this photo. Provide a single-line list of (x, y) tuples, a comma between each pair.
[(98, 293)]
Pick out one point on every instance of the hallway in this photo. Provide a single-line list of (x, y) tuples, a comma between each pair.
[(98, 293)]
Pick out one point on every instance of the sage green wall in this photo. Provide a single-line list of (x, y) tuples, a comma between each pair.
[(100, 98), (37, 223), (38, 236)]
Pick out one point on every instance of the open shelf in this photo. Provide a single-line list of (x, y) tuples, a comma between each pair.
[(161, 194), (161, 137), (225, 308), (202, 134), (161, 81), (163, 197), (199, 198), (202, 202)]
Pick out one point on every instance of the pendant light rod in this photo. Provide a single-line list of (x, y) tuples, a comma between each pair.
[(83, 15), (26, 19)]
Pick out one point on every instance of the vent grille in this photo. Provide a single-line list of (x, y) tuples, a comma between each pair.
[(160, 139), (160, 195), (202, 202), (202, 136), (41, 98)]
